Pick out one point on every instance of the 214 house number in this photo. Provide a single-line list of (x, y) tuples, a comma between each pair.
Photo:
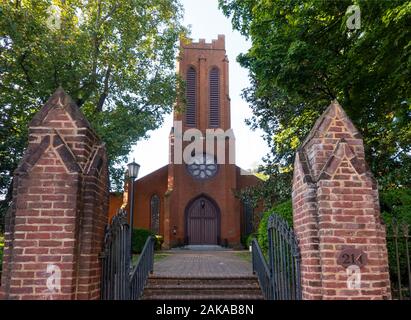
[(350, 259), (352, 256)]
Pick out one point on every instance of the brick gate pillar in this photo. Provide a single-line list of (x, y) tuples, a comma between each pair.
[(336, 214), (55, 227)]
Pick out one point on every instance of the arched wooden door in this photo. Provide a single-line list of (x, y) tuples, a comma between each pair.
[(202, 222)]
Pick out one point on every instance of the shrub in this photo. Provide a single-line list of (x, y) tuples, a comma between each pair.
[(284, 210), (159, 242), (250, 238), (247, 238), (244, 240), (140, 237)]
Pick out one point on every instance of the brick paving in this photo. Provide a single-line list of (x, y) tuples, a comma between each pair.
[(192, 263)]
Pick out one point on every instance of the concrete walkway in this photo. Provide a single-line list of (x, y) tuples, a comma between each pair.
[(203, 263)]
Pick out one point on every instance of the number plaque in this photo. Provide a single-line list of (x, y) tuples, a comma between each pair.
[(352, 256)]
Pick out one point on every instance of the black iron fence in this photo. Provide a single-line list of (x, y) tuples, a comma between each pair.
[(279, 279), (260, 268), (142, 269), (399, 260), (284, 257), (119, 281), (116, 259)]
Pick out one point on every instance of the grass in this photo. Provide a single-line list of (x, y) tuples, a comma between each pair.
[(160, 256), (244, 255), (157, 257)]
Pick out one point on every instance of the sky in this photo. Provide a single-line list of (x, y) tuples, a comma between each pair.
[(207, 21)]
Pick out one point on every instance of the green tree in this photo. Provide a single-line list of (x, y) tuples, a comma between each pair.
[(115, 59), (303, 55)]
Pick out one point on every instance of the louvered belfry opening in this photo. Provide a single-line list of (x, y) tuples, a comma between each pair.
[(191, 96), (214, 97)]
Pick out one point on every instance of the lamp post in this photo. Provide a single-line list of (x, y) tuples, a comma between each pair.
[(133, 169)]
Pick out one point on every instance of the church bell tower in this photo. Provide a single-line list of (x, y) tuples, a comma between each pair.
[(202, 209), (204, 67)]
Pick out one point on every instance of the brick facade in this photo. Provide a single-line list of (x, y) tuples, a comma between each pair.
[(59, 209), (336, 206), (183, 188), (173, 184)]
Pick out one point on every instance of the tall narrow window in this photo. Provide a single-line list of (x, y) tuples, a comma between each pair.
[(191, 96), (214, 97), (155, 214), (248, 216)]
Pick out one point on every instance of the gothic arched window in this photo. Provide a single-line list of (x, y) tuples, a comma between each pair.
[(191, 96), (155, 214), (214, 114), (248, 211)]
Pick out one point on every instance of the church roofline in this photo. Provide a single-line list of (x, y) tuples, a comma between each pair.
[(247, 175), (215, 44), (165, 167)]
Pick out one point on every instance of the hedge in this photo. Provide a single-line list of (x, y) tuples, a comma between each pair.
[(139, 239), (285, 210)]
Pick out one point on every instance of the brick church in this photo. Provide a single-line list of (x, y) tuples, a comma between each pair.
[(194, 203)]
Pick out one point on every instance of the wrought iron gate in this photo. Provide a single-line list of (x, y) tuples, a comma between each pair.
[(399, 260), (119, 280), (280, 277)]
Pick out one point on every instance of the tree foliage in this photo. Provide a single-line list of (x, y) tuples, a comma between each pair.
[(115, 59), (303, 55)]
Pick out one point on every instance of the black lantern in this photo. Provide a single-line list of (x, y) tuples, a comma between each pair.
[(133, 169)]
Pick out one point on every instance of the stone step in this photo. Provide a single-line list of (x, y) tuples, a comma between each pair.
[(245, 286), (165, 280), (202, 288), (196, 289), (237, 296), (202, 247)]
